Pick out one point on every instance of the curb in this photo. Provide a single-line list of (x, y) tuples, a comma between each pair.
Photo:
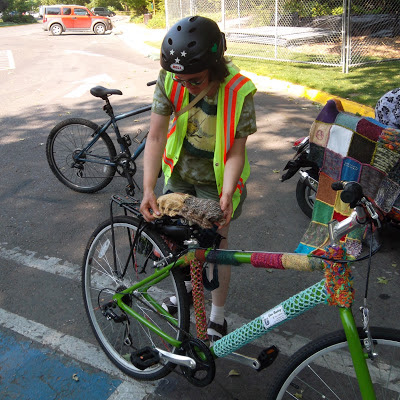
[(264, 83)]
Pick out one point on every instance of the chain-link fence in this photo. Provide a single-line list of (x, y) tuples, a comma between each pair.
[(343, 33)]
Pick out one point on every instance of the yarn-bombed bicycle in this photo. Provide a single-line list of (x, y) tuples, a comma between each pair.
[(130, 266)]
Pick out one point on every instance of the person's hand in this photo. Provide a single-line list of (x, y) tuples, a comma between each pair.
[(148, 207), (226, 205)]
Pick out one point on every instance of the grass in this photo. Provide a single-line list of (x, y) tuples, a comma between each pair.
[(364, 85)]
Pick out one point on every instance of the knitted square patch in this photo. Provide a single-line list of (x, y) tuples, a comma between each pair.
[(325, 192), (347, 120), (351, 170), (370, 180), (332, 164), (330, 111), (369, 129), (319, 133), (387, 194), (316, 234), (339, 140), (384, 159), (322, 213), (362, 149), (316, 154)]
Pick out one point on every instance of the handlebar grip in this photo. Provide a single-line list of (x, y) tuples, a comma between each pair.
[(352, 192), (151, 83)]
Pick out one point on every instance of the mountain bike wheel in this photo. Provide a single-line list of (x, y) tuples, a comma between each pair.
[(121, 337), (68, 138), (323, 369)]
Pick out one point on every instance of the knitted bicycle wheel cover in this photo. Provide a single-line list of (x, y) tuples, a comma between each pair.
[(203, 212)]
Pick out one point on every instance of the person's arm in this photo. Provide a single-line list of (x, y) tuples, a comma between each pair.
[(235, 160), (155, 145)]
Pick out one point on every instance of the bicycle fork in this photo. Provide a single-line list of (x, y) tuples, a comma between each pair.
[(357, 354)]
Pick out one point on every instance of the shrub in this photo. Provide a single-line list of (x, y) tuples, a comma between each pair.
[(19, 18), (157, 22)]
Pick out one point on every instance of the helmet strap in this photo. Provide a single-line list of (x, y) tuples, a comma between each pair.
[(195, 100)]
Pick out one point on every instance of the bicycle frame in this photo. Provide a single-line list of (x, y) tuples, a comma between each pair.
[(81, 156)]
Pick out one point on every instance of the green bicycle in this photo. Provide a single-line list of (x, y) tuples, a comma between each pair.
[(130, 266)]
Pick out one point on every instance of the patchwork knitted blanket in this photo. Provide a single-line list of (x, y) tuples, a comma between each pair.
[(350, 148)]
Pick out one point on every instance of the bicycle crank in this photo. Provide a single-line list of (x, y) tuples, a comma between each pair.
[(204, 371), (148, 356)]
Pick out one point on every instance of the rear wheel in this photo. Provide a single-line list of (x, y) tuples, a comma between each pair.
[(119, 334), (56, 29), (89, 173), (323, 369)]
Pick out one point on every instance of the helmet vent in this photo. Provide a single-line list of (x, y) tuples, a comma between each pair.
[(170, 41), (192, 19), (178, 28), (191, 30), (191, 44)]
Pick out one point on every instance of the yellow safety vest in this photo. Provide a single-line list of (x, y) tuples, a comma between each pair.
[(231, 95)]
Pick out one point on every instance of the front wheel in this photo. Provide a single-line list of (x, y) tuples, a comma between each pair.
[(105, 273), (86, 172), (99, 29), (323, 369)]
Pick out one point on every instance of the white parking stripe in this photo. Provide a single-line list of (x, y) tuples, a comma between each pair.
[(52, 265), (286, 341), (6, 60), (77, 349)]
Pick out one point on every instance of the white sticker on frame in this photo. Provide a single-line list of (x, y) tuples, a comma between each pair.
[(273, 317)]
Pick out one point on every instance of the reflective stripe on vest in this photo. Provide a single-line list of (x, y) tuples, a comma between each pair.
[(176, 99), (231, 90)]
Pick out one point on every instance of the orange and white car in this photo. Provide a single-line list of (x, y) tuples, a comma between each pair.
[(63, 18)]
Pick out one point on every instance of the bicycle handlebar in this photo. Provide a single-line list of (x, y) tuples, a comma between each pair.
[(352, 192)]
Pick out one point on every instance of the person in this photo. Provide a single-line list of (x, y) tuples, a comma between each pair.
[(387, 109), (204, 152)]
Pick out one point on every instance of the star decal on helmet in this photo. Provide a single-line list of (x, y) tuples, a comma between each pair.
[(177, 60), (171, 52), (183, 53)]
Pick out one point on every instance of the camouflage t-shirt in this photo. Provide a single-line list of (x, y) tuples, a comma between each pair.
[(195, 164)]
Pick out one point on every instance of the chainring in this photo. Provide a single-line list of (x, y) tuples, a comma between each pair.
[(204, 372)]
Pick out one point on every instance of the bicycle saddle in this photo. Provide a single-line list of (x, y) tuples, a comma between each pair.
[(102, 92)]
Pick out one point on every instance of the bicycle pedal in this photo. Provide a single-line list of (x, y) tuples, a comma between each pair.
[(267, 357), (145, 358)]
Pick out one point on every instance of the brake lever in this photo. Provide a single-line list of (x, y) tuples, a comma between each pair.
[(371, 211)]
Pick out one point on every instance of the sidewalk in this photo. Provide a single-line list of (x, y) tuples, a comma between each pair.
[(135, 35)]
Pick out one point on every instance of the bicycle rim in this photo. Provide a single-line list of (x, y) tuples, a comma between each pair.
[(120, 339), (86, 175), (323, 369)]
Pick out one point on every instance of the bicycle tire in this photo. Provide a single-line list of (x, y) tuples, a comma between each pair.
[(323, 369), (70, 136), (99, 283)]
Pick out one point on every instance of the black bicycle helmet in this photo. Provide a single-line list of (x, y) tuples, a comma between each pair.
[(192, 45)]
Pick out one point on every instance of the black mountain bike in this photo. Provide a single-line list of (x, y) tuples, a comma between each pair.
[(82, 155)]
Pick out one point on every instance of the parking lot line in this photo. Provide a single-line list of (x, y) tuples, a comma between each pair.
[(6, 60)]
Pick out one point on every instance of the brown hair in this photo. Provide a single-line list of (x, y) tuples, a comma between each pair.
[(219, 71)]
